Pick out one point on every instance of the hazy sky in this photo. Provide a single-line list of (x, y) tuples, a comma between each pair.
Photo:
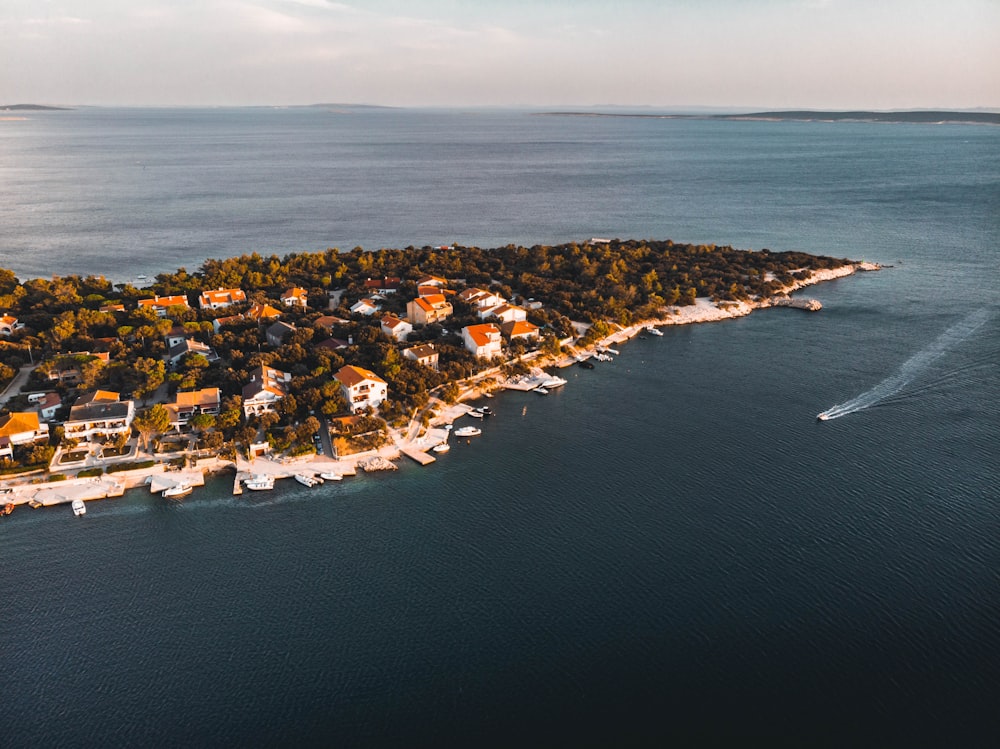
[(837, 54)]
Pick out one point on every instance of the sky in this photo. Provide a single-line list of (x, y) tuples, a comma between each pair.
[(750, 54)]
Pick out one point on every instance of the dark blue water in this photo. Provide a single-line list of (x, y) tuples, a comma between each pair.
[(668, 550)]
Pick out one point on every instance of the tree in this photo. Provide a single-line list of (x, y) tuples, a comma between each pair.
[(154, 420)]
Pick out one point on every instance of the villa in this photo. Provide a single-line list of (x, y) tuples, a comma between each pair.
[(20, 428), (395, 328), (424, 354), (482, 340), (188, 404), (432, 308), (220, 298), (361, 387), (99, 412), (267, 386), (160, 304), (295, 296)]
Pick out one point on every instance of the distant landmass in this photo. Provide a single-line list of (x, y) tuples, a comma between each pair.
[(29, 108), (924, 117)]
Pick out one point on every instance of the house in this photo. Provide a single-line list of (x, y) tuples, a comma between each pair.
[(482, 340), (326, 322), (295, 296), (333, 344), (385, 285), (424, 354), (188, 404), (279, 333), (259, 312), (176, 335), (190, 346), (160, 304), (364, 307), (45, 404), (220, 322), (267, 386), (395, 328), (113, 308), (68, 368), (361, 388), (20, 428), (481, 299), (432, 308), (220, 298), (504, 312), (519, 329), (99, 412), (432, 281)]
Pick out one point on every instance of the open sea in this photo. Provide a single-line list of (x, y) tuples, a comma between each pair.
[(669, 551)]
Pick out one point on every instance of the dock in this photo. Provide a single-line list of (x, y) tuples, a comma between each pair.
[(421, 457)]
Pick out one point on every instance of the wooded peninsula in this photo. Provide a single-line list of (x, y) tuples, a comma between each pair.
[(267, 353)]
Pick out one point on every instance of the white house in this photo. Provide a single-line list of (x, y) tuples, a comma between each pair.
[(219, 298), (20, 428), (505, 312), (99, 412), (395, 328), (190, 403), (424, 354), (483, 340), (364, 307), (8, 324), (295, 297), (160, 304), (267, 386), (361, 387), (519, 329), (432, 308)]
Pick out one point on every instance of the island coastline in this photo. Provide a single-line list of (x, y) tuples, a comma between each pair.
[(414, 437)]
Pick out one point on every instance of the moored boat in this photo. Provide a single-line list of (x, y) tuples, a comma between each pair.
[(330, 476), (8, 508), (541, 391), (441, 447), (306, 480), (178, 491), (553, 382), (468, 432), (474, 414), (79, 508), (259, 482)]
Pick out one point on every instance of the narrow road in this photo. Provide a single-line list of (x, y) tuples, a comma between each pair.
[(19, 381)]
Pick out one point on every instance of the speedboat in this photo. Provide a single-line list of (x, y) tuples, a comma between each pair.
[(468, 432), (330, 476), (553, 382), (259, 482), (653, 331), (541, 391), (79, 508), (441, 447), (305, 480), (475, 414), (486, 411), (823, 416), (178, 491)]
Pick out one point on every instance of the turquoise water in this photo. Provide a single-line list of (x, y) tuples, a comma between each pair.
[(670, 547)]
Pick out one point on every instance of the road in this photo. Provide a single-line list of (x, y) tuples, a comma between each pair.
[(19, 381)]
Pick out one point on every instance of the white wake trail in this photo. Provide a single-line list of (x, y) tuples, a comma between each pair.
[(912, 367)]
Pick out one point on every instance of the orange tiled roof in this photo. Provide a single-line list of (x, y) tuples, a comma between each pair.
[(350, 375), (18, 423)]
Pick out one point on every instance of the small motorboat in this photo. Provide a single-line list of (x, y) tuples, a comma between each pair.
[(441, 447), (259, 482), (541, 391), (823, 416), (7, 509), (553, 382), (306, 480), (79, 508), (330, 476), (178, 491), (486, 411), (654, 331), (468, 432), (475, 414)]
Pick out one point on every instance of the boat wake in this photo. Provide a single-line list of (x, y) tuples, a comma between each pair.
[(912, 367)]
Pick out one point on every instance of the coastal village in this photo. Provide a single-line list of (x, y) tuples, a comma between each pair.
[(313, 367)]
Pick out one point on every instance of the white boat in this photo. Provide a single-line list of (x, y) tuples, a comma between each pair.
[(475, 414), (541, 391), (823, 416), (603, 357), (330, 476), (554, 382), (653, 331), (305, 480), (178, 491), (468, 432), (79, 508), (259, 482), (441, 447)]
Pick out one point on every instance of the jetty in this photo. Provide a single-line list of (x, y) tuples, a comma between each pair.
[(418, 455)]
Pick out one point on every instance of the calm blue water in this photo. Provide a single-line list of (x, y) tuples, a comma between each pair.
[(669, 549)]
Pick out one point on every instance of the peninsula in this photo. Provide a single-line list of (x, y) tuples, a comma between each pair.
[(327, 361)]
